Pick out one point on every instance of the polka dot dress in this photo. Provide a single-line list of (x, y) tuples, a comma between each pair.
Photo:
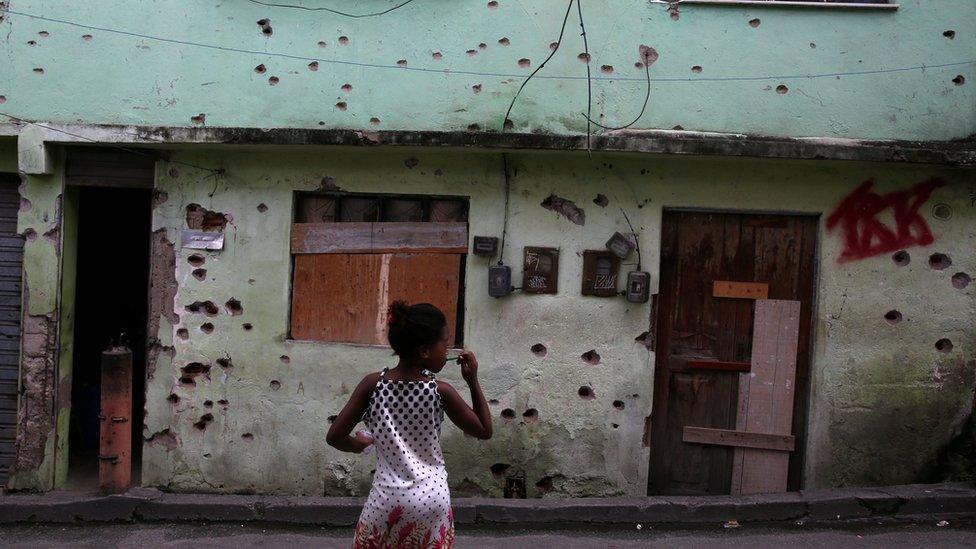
[(409, 504)]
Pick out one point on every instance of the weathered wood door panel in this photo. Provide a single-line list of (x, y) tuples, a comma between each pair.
[(697, 249)]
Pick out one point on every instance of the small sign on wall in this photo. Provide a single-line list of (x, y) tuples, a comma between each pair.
[(600, 270), (540, 270), (202, 240)]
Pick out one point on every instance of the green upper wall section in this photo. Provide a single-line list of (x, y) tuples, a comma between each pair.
[(160, 63)]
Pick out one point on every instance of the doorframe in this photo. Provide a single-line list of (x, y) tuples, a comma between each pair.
[(796, 479)]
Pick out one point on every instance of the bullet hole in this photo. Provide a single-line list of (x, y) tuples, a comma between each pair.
[(943, 346), (173, 398), (565, 208), (939, 261), (265, 25), (524, 63), (207, 328), (508, 413), (492, 5), (601, 200), (341, 105), (196, 260), (222, 402), (192, 371), (901, 258), (260, 69), (754, 22), (411, 162), (247, 326), (638, 65), (591, 357), (3, 99), (614, 425), (482, 46), (262, 207), (200, 274), (540, 350), (942, 212), (438, 172), (204, 420), (208, 403), (893, 317), (247, 436), (493, 401), (225, 363), (474, 127), (374, 121), (86, 37), (508, 124), (234, 307), (30, 235), (696, 69), (183, 334), (544, 484), (648, 55), (346, 88), (619, 404), (673, 11), (782, 90), (499, 469), (476, 88), (343, 40), (322, 43), (174, 173), (201, 219), (606, 69), (401, 63), (553, 46), (25, 204), (331, 419), (950, 34), (44, 34), (199, 119), (32, 42), (644, 339), (38, 70), (313, 66), (273, 81), (275, 385), (504, 41), (813, 46), (285, 359), (960, 281), (584, 57), (586, 393), (206, 307), (959, 80)]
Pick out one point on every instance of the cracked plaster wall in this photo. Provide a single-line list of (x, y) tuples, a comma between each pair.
[(884, 401)]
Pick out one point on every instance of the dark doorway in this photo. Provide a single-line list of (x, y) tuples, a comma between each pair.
[(112, 295), (693, 325)]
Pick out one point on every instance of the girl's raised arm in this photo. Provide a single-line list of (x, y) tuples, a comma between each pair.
[(350, 415)]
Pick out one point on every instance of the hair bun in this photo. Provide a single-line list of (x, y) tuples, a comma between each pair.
[(397, 313)]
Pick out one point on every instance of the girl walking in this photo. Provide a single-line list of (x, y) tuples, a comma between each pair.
[(410, 504)]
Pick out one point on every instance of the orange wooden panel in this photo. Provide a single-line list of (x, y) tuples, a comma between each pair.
[(742, 290), (427, 278), (335, 297)]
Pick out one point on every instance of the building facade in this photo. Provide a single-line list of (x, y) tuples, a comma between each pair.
[(236, 191)]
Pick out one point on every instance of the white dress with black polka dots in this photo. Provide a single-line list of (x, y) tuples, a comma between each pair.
[(409, 504)]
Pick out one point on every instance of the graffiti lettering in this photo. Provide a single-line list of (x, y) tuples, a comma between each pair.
[(866, 236)]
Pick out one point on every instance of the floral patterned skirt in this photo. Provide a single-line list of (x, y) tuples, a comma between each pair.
[(398, 533)]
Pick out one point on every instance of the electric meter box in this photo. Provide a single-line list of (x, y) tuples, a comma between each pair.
[(499, 280), (638, 286)]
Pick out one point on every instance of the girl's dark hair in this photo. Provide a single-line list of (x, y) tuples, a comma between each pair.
[(414, 326)]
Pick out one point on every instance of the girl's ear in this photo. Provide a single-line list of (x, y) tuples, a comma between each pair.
[(424, 352)]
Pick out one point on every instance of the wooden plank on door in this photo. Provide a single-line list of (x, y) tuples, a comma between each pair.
[(766, 397), (743, 439), (740, 290), (363, 238)]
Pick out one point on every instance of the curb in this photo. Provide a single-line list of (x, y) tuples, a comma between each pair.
[(894, 503)]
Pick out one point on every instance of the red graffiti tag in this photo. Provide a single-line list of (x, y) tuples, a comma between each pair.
[(867, 236)]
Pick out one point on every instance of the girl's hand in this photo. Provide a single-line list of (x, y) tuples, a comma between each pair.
[(469, 366), (363, 440)]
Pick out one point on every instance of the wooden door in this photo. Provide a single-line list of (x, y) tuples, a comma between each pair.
[(697, 249)]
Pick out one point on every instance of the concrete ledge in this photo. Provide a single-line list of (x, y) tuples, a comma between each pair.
[(894, 503)]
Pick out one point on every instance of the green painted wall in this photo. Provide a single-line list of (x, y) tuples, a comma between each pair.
[(178, 60), (883, 400)]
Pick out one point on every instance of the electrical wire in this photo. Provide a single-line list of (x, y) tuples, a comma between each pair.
[(452, 72), (330, 10), (647, 70), (559, 42), (636, 238), (16, 119), (589, 79), (508, 189)]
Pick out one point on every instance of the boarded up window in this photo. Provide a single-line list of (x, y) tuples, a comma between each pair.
[(382, 249)]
